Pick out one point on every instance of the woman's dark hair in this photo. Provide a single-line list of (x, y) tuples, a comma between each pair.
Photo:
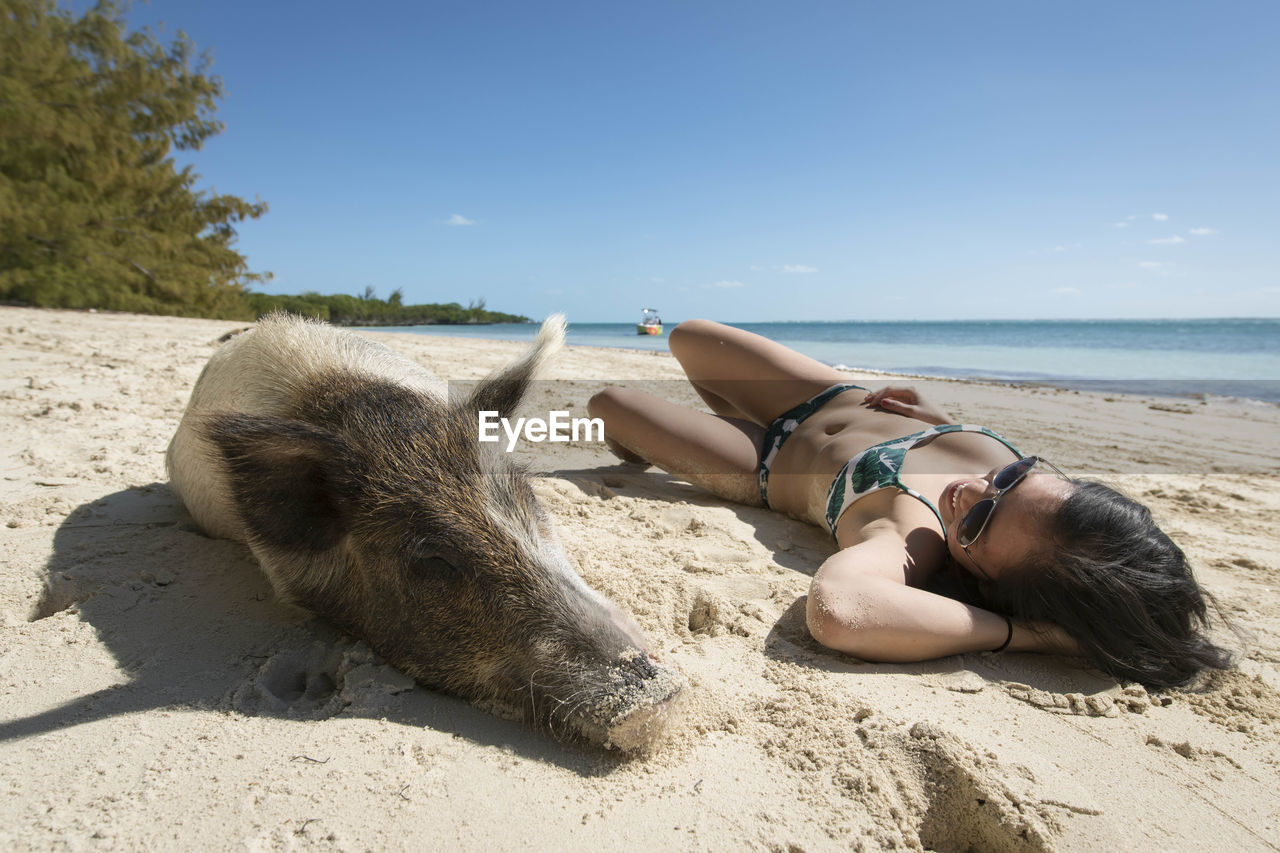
[(1115, 582)]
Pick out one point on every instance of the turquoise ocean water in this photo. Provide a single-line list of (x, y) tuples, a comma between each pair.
[(1226, 357)]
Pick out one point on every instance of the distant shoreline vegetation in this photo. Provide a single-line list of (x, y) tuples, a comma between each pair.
[(368, 310), (340, 309)]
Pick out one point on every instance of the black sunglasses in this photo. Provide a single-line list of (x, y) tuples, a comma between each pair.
[(975, 520)]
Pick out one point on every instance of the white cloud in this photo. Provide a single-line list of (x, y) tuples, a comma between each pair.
[(798, 268), (459, 219), (1066, 291), (726, 284), (1122, 224), (1059, 248), (1154, 265), (656, 279), (1160, 217), (1202, 232), (1167, 241)]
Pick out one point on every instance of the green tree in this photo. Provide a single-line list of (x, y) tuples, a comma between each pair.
[(93, 211)]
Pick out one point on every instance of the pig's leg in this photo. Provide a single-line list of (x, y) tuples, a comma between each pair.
[(743, 375), (715, 453)]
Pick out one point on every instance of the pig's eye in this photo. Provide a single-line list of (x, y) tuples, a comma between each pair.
[(434, 567), (432, 560)]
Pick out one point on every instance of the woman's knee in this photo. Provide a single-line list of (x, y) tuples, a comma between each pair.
[(689, 332), (613, 405), (611, 402)]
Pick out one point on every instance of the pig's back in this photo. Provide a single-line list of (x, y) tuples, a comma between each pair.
[(263, 372)]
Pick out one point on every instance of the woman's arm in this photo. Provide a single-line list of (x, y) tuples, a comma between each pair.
[(860, 604)]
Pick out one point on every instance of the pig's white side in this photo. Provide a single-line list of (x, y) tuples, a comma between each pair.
[(260, 372)]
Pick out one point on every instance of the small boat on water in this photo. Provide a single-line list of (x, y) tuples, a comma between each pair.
[(650, 323)]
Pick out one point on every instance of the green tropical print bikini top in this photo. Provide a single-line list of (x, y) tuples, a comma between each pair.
[(879, 467)]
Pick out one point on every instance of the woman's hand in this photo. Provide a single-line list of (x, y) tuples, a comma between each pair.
[(907, 401), (1043, 637)]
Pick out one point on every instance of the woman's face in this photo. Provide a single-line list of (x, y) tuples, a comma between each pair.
[(1017, 527)]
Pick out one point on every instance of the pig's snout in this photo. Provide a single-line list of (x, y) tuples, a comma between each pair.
[(637, 669), (636, 708)]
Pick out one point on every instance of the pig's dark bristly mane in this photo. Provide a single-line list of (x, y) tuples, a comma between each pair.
[(365, 466), (366, 453)]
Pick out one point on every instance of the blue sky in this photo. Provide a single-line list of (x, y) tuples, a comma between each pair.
[(756, 160)]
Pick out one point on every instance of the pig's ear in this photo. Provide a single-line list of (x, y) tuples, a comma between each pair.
[(502, 391), (281, 475)]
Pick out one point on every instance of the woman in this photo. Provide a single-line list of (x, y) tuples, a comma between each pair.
[(1061, 566)]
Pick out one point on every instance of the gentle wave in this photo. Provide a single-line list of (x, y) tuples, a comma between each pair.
[(1227, 357)]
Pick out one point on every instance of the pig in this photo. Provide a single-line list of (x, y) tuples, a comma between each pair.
[(361, 488)]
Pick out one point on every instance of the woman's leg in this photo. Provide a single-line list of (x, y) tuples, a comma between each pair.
[(719, 454), (743, 375)]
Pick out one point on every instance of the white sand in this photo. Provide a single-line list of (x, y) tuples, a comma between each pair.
[(154, 695)]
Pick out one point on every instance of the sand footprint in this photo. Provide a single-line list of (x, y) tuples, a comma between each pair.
[(320, 681), (62, 591), (975, 798), (296, 683)]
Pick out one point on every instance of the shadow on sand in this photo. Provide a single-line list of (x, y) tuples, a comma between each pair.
[(193, 624)]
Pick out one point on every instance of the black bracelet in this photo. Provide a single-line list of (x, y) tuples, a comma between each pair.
[(1008, 639)]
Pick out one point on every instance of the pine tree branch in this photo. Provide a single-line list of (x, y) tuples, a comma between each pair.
[(140, 268)]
